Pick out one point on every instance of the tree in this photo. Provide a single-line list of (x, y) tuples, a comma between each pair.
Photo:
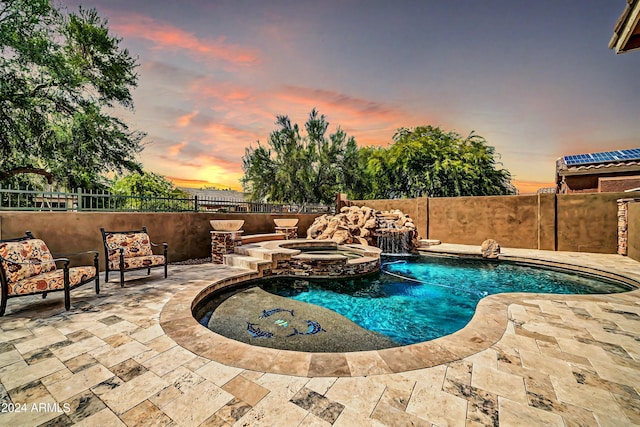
[(149, 191), (427, 161), (301, 169), (59, 76)]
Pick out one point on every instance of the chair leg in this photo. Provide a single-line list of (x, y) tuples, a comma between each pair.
[(165, 270), (121, 278), (97, 268), (148, 271), (106, 276), (3, 304), (44, 295), (67, 287)]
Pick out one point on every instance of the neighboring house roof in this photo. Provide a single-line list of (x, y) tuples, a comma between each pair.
[(626, 33), (627, 160), (230, 195)]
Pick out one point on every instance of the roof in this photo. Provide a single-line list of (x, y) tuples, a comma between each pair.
[(626, 32), (625, 160)]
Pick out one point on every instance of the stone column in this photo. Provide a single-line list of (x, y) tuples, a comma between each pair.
[(223, 243), (623, 221), (289, 232)]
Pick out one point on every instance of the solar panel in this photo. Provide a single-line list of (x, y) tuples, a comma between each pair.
[(604, 157)]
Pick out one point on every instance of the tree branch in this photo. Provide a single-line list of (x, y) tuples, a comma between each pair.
[(16, 171)]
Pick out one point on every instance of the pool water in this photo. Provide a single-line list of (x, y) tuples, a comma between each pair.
[(422, 298)]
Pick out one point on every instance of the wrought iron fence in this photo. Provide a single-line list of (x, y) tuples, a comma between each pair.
[(98, 200)]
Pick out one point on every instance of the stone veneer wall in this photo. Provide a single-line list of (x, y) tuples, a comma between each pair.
[(323, 268), (223, 243), (623, 219)]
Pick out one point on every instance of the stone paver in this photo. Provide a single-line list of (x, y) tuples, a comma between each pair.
[(118, 359)]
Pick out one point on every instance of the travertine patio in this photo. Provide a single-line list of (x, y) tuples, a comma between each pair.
[(558, 360)]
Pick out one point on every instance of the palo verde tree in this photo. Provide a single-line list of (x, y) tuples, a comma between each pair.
[(60, 74), (426, 161), (301, 169)]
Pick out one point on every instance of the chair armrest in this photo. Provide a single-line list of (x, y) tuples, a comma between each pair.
[(96, 254), (165, 245), (65, 260), (76, 253)]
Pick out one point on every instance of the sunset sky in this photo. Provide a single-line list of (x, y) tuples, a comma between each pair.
[(536, 78)]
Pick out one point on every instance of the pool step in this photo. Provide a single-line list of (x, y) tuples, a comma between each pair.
[(248, 262), (254, 251)]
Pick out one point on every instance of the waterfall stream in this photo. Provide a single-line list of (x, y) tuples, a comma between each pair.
[(394, 241)]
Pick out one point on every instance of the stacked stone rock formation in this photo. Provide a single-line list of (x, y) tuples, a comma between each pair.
[(361, 225)]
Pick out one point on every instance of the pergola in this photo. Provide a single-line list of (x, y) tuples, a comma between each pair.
[(626, 33)]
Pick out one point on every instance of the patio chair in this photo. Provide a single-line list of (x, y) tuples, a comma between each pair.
[(27, 267), (131, 250)]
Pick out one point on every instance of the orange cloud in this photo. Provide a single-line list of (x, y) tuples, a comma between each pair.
[(176, 148), (231, 133), (194, 183), (165, 36), (185, 120), (198, 159)]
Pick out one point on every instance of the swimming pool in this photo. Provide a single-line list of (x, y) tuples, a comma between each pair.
[(422, 298)]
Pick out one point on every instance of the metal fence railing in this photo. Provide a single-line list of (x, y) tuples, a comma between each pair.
[(98, 200)]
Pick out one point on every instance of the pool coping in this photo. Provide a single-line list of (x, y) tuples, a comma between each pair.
[(486, 327)]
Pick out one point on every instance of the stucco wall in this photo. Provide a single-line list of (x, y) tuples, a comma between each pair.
[(588, 222), (546, 222), (511, 220), (188, 234), (634, 231), (415, 208)]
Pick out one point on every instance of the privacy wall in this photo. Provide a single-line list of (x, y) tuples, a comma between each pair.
[(571, 222), (568, 222), (188, 233)]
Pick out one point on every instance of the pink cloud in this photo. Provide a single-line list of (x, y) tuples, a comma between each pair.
[(168, 37), (331, 101), (226, 92)]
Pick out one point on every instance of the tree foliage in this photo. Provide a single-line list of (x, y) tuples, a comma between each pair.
[(150, 190), (60, 74), (426, 161), (146, 184), (301, 169)]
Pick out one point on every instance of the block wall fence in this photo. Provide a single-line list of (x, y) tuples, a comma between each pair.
[(571, 222), (562, 222), (188, 233)]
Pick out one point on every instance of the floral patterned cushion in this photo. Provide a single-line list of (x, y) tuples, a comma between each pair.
[(32, 253), (137, 262), (134, 245), (51, 280)]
